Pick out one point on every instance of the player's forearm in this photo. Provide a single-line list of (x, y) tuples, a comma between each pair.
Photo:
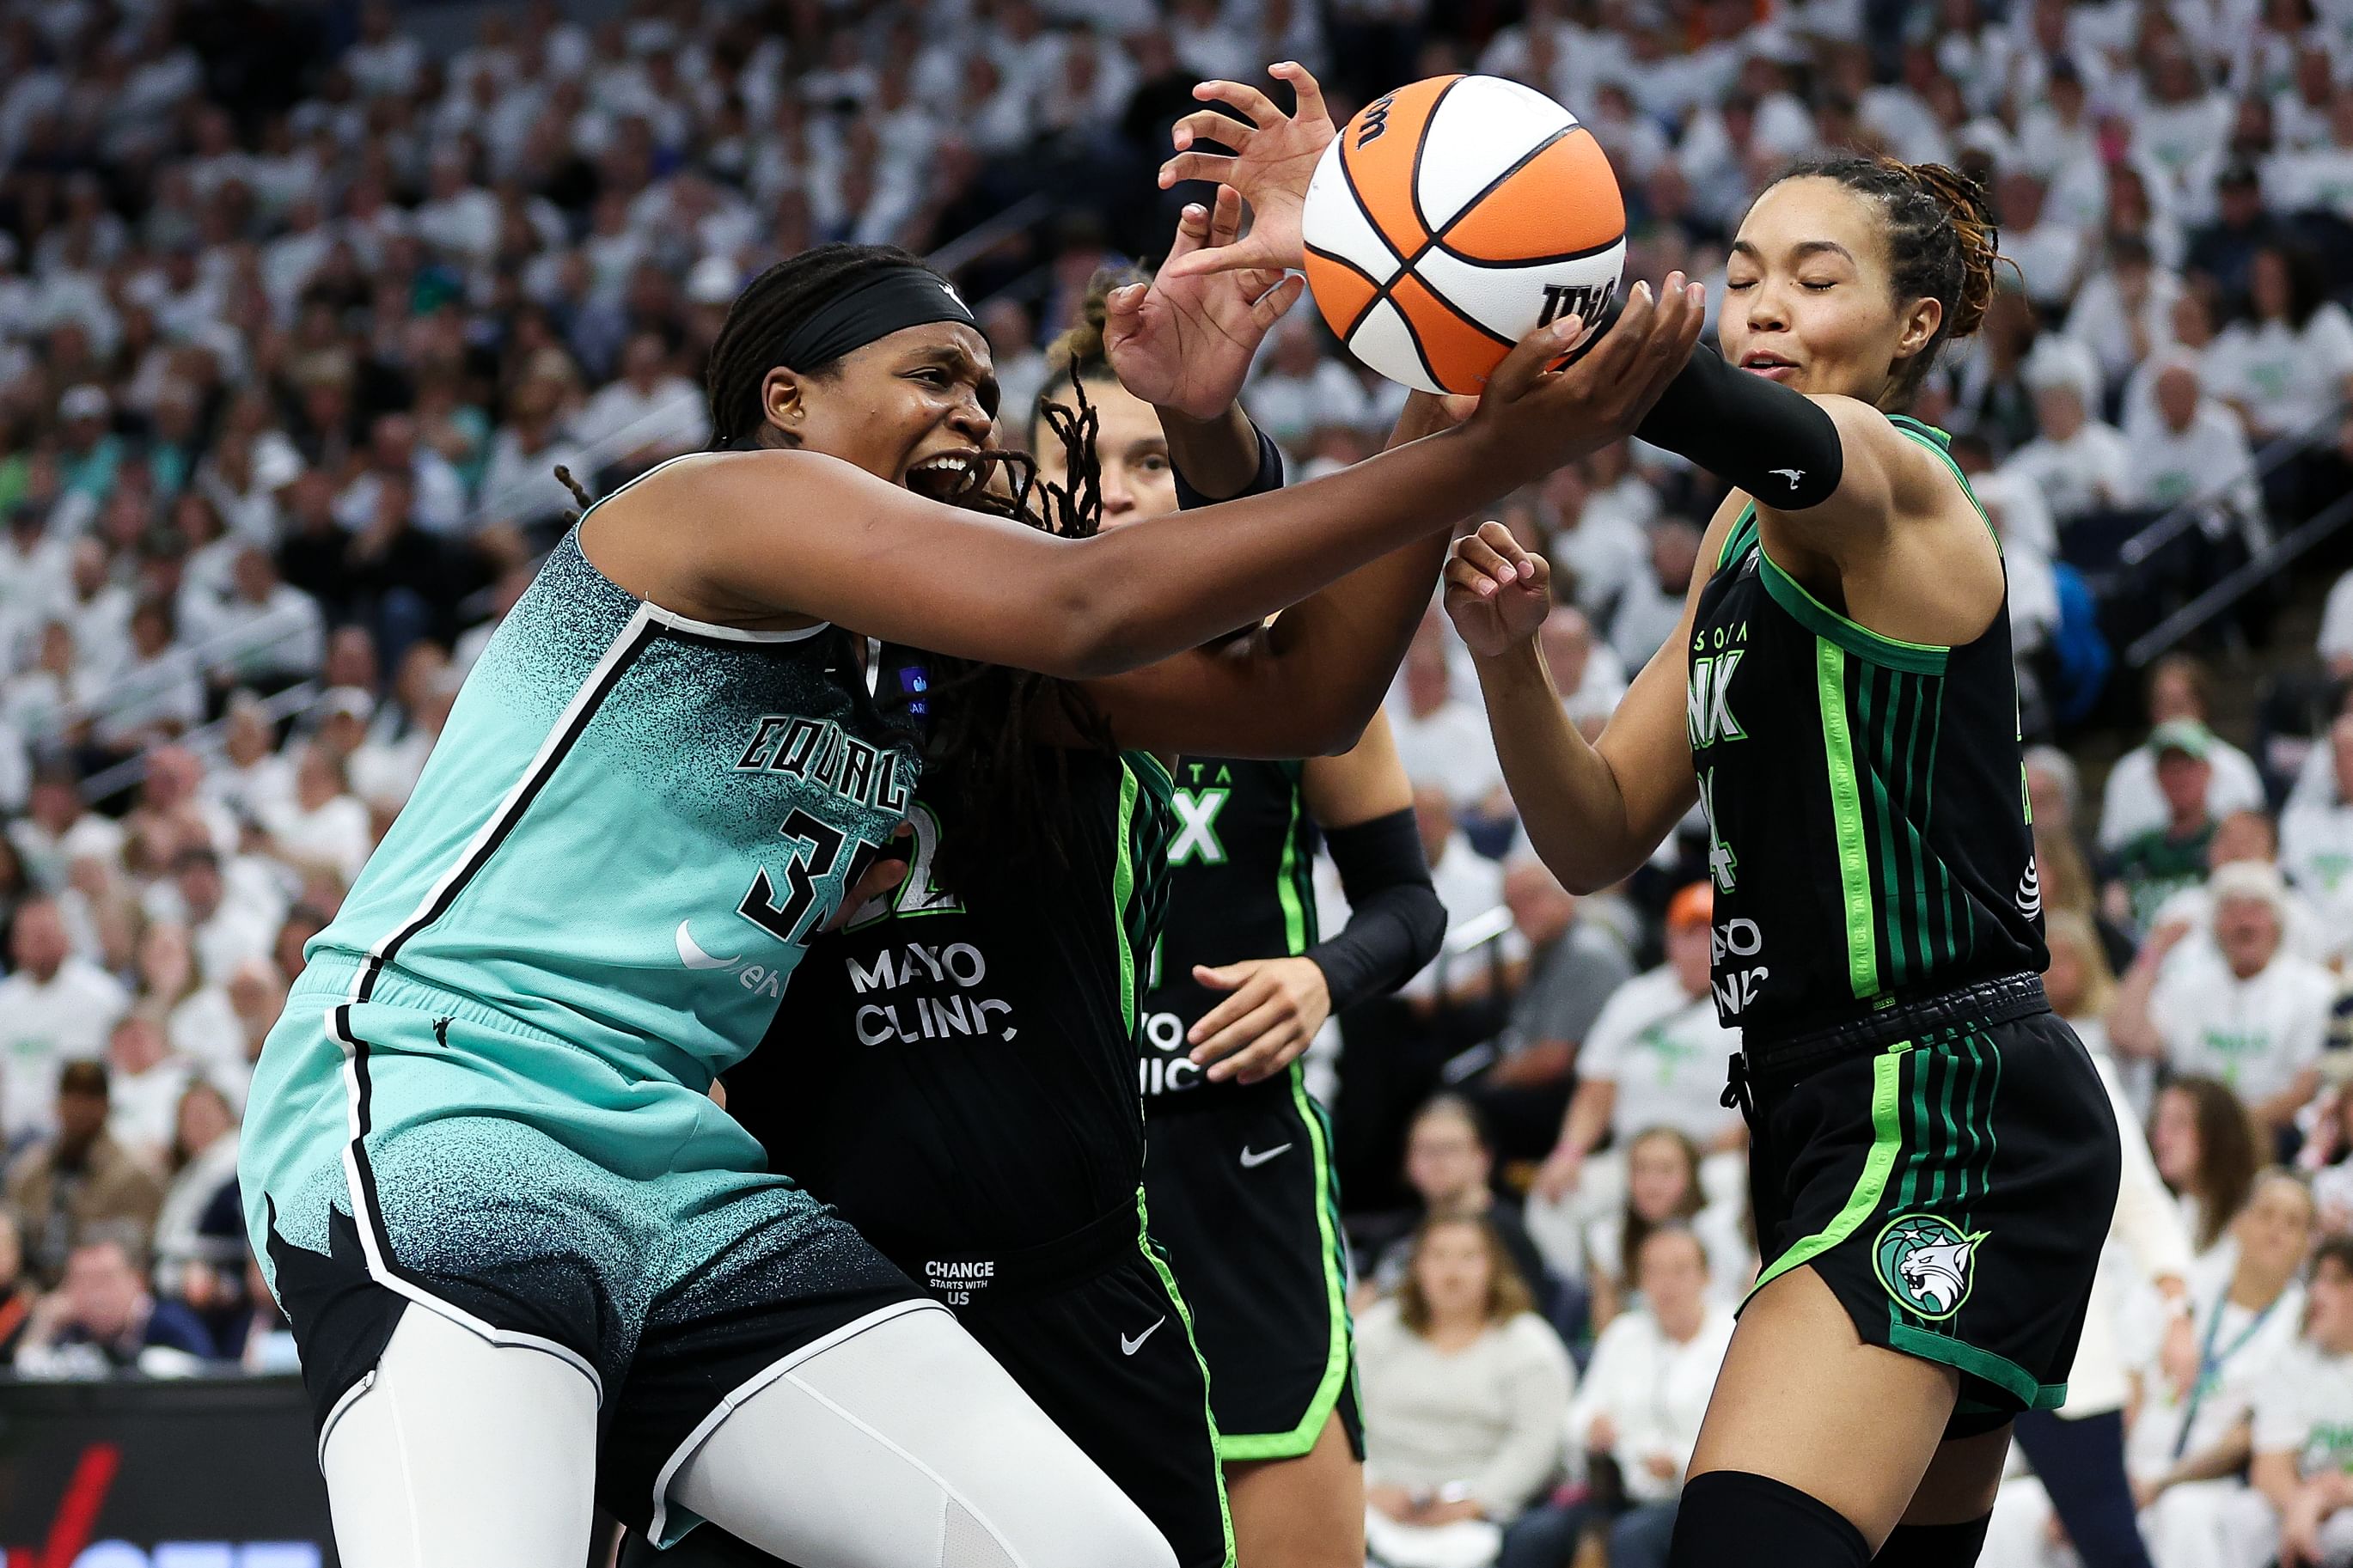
[(1340, 649), (1154, 587), (1569, 799), (1215, 459)]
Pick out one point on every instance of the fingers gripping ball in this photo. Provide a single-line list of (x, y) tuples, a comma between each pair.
[(1453, 217)]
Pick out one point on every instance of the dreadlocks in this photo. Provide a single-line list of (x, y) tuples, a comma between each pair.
[(1002, 796)]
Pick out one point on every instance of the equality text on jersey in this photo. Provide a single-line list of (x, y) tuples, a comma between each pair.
[(823, 752)]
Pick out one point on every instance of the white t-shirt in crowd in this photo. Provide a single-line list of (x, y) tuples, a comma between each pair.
[(2305, 1407), (2287, 377), (2247, 1347), (2089, 470), (204, 1027), (143, 1109), (2208, 461), (2132, 805), (338, 832), (1604, 551), (2254, 1035), (1665, 1051), (669, 418), (2317, 854), (44, 1026), (1654, 1390), (1451, 746), (1647, 616)]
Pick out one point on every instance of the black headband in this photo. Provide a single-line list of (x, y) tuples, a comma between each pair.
[(889, 301)]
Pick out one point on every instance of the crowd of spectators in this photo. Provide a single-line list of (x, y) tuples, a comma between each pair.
[(299, 316)]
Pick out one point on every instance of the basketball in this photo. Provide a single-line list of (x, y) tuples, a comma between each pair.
[(1453, 217)]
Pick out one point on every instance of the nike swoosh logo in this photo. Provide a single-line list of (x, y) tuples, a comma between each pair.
[(1130, 1346), (1253, 1158), (692, 955)]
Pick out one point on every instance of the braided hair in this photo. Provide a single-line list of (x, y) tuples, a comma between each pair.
[(1942, 244), (1002, 792)]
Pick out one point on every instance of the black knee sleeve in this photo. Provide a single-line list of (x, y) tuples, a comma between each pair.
[(1731, 1516), (1934, 1545)]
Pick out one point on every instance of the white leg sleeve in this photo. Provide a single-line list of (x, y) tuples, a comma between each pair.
[(905, 1445), (463, 1454)]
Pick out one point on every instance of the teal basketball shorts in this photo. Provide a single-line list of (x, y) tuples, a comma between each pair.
[(1949, 1170), (424, 1149)]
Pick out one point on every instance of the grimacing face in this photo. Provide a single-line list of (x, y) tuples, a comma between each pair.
[(1808, 301), (909, 407)]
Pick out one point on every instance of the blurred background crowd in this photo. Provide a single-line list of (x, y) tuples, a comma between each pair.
[(301, 306)]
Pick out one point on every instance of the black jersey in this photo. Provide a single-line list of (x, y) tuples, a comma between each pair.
[(1865, 797), (956, 1071), (1241, 864)]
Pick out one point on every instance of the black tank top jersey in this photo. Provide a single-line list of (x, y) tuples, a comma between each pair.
[(956, 1071), (1865, 797), (1240, 885)]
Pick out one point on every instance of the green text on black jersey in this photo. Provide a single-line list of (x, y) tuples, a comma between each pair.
[(1868, 827)]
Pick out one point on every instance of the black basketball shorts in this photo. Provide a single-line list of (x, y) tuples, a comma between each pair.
[(1949, 1170), (1244, 1198), (1095, 1330)]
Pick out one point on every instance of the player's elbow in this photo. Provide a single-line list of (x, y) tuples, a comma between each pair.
[(1423, 915), (1329, 724)]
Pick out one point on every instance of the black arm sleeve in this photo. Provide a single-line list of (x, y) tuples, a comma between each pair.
[(1780, 446), (1268, 479), (1394, 920)]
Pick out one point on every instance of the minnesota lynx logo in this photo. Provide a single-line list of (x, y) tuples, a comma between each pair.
[(1926, 1263)]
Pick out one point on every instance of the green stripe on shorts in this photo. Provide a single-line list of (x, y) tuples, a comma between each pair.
[(1291, 1444), (1184, 1320), (1886, 1143)]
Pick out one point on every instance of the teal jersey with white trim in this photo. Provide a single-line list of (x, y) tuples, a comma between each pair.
[(631, 825), (1866, 803)]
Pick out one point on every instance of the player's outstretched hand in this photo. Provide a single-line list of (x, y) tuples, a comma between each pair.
[(1496, 593), (1185, 341), (1275, 156), (1538, 413)]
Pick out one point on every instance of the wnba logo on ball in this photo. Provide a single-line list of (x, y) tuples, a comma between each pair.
[(1447, 214), (1584, 300)]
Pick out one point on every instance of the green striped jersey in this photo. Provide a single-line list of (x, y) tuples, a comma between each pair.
[(1242, 865), (1868, 827), (957, 1068)]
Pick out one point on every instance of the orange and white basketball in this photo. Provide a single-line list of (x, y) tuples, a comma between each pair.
[(1452, 217)]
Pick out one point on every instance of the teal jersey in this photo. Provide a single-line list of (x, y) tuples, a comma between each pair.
[(631, 827)]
